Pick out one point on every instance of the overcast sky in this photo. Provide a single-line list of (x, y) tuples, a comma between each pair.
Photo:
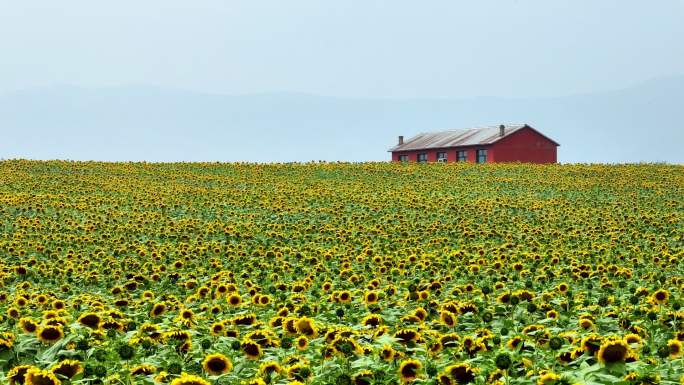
[(364, 48)]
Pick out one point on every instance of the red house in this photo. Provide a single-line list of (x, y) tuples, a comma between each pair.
[(505, 143)]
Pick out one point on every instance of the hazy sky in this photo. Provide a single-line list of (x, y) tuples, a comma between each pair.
[(354, 48)]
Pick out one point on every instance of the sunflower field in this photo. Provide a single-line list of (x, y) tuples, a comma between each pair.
[(338, 273)]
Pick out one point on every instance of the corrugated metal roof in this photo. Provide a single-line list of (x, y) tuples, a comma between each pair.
[(458, 137)]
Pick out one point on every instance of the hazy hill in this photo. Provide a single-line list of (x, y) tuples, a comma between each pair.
[(642, 123)]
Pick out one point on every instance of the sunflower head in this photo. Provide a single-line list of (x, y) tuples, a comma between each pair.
[(28, 325), (660, 296), (548, 378), (409, 369), (302, 343), (461, 373), (371, 297), (50, 334), (217, 364), (270, 367), (234, 299), (251, 349), (90, 319), (18, 374), (306, 327), (158, 309), (632, 339), (675, 347), (387, 353), (143, 370), (35, 376), (613, 351), (364, 377), (372, 320), (67, 368), (448, 318)]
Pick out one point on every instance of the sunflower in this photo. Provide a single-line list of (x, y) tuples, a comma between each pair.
[(18, 374), (548, 378), (387, 353), (150, 330), (5, 344), (449, 340), (268, 368), (448, 318), (251, 349), (178, 336), (461, 373), (612, 351), (407, 335), (158, 309), (143, 370), (444, 379), (50, 334), (591, 344), (435, 347), (35, 376), (67, 368), (299, 372), (660, 296), (408, 369), (586, 323), (515, 342), (283, 311), (675, 347), (306, 327), (186, 317), (58, 304), (217, 364), (371, 297), (344, 296), (90, 319), (189, 379), (21, 301), (218, 328), (632, 339), (112, 324), (345, 346), (563, 287), (28, 325), (302, 343), (234, 299), (245, 320), (364, 377), (13, 312), (372, 320)]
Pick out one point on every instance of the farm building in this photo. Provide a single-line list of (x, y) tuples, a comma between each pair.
[(504, 143)]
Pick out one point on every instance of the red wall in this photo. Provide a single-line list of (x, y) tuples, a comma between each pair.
[(525, 145)]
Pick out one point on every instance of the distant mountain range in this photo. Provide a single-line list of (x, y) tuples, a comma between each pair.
[(637, 124)]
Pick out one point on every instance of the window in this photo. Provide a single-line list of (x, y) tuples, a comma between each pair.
[(462, 156), (403, 158), (441, 156), (422, 157), (482, 156)]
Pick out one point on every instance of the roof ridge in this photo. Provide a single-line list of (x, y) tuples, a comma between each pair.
[(475, 128)]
